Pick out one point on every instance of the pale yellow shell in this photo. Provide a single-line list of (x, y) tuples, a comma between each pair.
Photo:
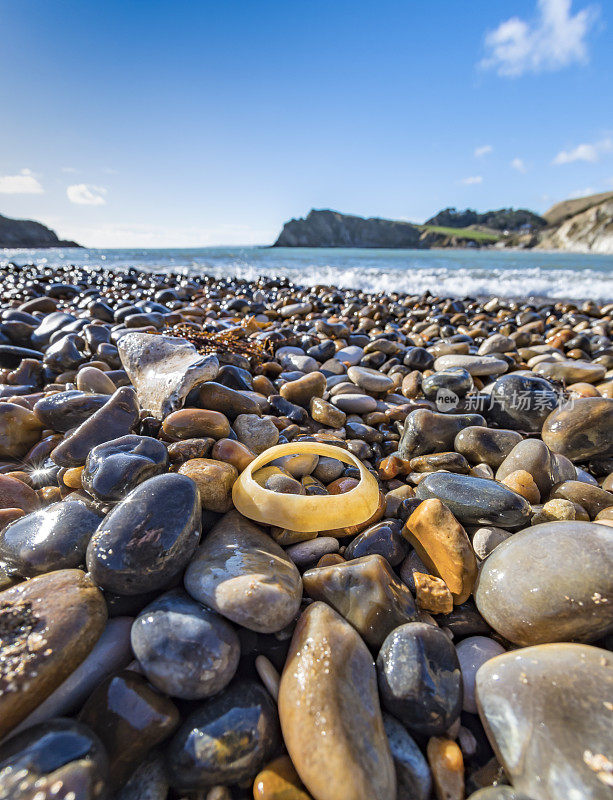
[(306, 512)]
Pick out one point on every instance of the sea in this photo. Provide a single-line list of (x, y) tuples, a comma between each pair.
[(519, 274)]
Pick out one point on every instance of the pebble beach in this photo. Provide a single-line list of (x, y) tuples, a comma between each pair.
[(282, 542)]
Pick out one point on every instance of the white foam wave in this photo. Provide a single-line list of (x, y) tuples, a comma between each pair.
[(519, 274), (555, 284)]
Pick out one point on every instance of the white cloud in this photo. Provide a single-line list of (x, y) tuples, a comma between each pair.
[(555, 39), (582, 193), (584, 152), (84, 194), (484, 150), (23, 183), (519, 165), (472, 179)]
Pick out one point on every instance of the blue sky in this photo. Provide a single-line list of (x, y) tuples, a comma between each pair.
[(200, 123)]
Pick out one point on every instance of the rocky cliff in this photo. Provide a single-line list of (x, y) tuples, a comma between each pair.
[(330, 229), (584, 225), (27, 233), (324, 228)]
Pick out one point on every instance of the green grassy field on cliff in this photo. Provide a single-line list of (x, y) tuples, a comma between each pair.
[(462, 233)]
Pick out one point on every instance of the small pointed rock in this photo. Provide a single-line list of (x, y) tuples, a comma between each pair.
[(366, 592), (243, 574)]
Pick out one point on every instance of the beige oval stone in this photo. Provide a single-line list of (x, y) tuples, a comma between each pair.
[(214, 480), (92, 379), (549, 583), (330, 714)]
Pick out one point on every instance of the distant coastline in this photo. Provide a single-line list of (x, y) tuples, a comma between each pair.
[(580, 225)]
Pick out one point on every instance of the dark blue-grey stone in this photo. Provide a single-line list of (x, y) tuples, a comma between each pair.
[(384, 538), (148, 538), (476, 501), (64, 354), (63, 411), (414, 780), (60, 752), (52, 322), (185, 649), (114, 468), (227, 740), (117, 417), (419, 677), (11, 355), (521, 402), (55, 537), (455, 379), (427, 431)]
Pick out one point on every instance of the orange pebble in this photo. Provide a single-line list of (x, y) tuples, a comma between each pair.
[(72, 477), (279, 781), (447, 765), (583, 389), (523, 483)]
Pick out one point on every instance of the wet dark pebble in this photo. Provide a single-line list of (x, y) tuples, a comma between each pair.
[(384, 538), (240, 727), (185, 649), (65, 410), (55, 537), (521, 402), (475, 501), (114, 468), (117, 417), (130, 718), (148, 538), (419, 678), (59, 754)]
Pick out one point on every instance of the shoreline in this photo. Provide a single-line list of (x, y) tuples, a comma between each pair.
[(210, 271)]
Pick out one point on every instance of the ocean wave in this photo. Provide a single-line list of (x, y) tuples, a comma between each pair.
[(514, 283), (455, 273)]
